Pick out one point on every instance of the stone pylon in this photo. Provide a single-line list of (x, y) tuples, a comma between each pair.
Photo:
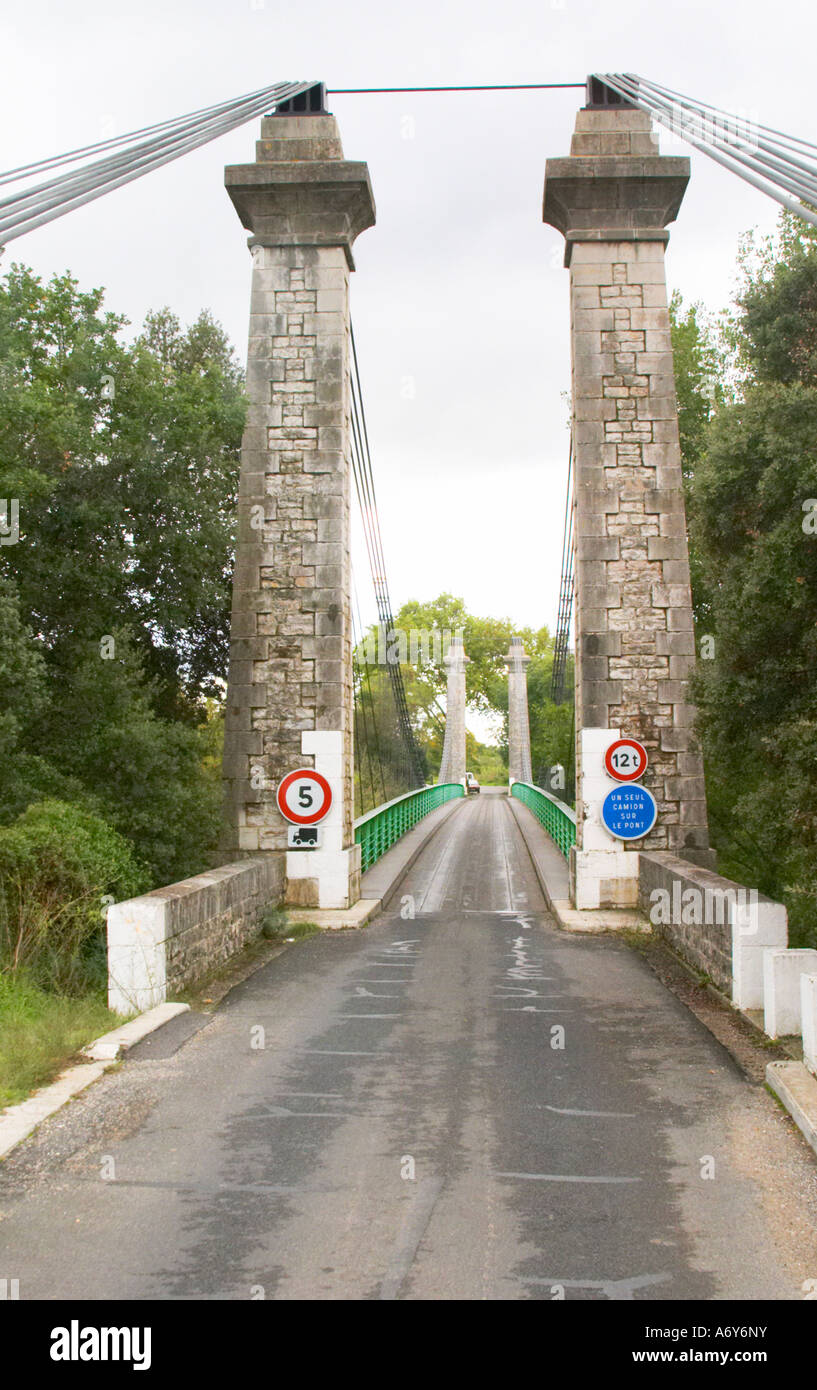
[(289, 695), (612, 199), (519, 762), (453, 765)]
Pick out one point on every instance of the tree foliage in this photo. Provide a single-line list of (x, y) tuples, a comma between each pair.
[(753, 518), (122, 458), (486, 641)]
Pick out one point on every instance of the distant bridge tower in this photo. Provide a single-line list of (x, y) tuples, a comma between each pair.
[(519, 761), (612, 199), (289, 695), (453, 765)]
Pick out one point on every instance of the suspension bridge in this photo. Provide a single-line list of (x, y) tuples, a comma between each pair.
[(453, 1103)]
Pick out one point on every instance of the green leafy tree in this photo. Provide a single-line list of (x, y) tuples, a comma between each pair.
[(145, 774), (114, 600), (59, 866), (753, 516), (486, 642), (124, 461)]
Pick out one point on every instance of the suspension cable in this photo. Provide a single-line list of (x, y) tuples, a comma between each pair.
[(766, 164), (364, 483), (33, 208), (565, 610)]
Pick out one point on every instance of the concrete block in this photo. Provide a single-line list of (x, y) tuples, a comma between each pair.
[(757, 925), (606, 878), (782, 1000), (808, 1017)]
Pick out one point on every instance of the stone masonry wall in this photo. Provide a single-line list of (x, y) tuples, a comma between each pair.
[(707, 946), (636, 648), (291, 638), (290, 666), (519, 757), (453, 762), (612, 199), (168, 939)]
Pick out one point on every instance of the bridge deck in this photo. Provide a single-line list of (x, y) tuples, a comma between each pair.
[(424, 1045)]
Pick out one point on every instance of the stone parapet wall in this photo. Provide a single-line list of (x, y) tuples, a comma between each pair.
[(716, 925), (164, 941)]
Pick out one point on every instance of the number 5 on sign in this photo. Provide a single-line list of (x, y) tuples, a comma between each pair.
[(304, 796)]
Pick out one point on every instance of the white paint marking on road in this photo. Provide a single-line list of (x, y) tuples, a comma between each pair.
[(522, 969), (279, 1112), (330, 1052), (594, 1114), (398, 1015), (619, 1290), (412, 1231), (361, 993), (563, 1177), (522, 992), (313, 1095), (531, 1009)]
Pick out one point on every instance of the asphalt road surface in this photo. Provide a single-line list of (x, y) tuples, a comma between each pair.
[(460, 1104)]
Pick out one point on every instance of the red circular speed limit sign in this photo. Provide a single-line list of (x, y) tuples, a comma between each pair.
[(304, 796), (625, 760)]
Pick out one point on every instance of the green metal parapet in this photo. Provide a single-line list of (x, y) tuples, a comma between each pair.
[(377, 831), (553, 815)]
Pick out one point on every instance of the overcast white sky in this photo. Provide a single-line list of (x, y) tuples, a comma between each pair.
[(459, 287)]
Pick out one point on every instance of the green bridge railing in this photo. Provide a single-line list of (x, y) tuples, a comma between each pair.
[(556, 818), (381, 828)]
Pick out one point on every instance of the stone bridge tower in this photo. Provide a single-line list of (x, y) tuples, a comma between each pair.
[(519, 760), (453, 765), (289, 696), (612, 199)]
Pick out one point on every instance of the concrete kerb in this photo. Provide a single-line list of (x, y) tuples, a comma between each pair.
[(19, 1121), (796, 1089), (111, 1045), (336, 918), (598, 919)]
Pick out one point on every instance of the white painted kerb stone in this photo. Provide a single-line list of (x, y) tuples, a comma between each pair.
[(781, 990), (808, 1011), (756, 927)]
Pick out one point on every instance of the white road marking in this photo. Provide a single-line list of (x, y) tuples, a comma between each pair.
[(615, 1289), (594, 1114), (563, 1177)]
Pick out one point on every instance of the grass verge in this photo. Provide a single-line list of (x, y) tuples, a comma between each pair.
[(277, 927), (41, 1034)]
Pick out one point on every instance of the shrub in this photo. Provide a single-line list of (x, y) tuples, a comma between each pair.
[(58, 862)]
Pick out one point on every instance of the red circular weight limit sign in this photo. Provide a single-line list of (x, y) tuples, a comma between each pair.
[(304, 796), (625, 760)]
